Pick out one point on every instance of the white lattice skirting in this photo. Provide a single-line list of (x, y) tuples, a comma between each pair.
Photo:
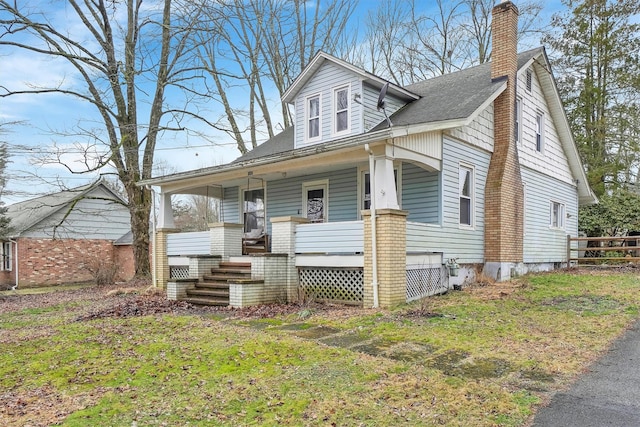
[(344, 285), (423, 282), (179, 272)]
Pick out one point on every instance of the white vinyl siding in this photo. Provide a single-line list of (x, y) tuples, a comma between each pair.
[(286, 198), (373, 117), (230, 206), (552, 160), (464, 243), (97, 216), (327, 78), (542, 242), (421, 194)]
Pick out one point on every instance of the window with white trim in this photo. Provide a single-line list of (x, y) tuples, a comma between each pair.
[(539, 132), (556, 215), (7, 257), (341, 110), (466, 190), (313, 118), (518, 124)]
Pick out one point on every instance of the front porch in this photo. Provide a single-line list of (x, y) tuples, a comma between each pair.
[(332, 261)]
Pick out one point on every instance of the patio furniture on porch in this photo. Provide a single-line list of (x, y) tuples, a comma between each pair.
[(255, 241)]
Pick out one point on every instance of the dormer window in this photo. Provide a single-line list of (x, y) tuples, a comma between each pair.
[(341, 106), (313, 118)]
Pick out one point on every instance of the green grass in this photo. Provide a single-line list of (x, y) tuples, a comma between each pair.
[(480, 360)]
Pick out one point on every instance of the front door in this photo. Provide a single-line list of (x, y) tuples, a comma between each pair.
[(253, 211), (315, 201)]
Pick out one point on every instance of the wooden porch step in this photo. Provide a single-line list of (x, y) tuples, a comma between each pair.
[(213, 285), (230, 264), (224, 278), (215, 293), (213, 289)]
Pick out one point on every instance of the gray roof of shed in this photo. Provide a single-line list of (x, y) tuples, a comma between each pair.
[(444, 98)]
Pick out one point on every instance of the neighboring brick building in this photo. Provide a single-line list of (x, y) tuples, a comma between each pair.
[(64, 237)]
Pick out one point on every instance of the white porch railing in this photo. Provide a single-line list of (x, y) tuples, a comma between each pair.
[(330, 238), (189, 243)]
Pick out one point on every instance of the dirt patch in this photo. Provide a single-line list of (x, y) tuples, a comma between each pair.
[(141, 305), (494, 291), (42, 406)]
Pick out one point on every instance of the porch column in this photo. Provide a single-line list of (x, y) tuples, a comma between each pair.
[(161, 261), (283, 241), (391, 246), (385, 183), (165, 213), (226, 239)]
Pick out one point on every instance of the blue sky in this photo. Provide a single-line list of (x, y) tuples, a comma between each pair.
[(43, 115)]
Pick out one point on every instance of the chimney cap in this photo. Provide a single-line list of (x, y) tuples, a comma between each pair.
[(504, 5)]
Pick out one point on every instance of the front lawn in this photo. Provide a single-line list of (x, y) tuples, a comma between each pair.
[(489, 355)]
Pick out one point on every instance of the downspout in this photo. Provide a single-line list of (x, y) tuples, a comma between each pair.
[(153, 237), (16, 260), (374, 246)]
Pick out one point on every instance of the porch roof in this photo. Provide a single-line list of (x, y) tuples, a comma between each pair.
[(273, 160)]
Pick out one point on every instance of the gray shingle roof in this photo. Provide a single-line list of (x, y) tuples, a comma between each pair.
[(280, 143), (448, 97), (28, 213)]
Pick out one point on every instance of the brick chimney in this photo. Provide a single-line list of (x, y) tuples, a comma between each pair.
[(504, 199)]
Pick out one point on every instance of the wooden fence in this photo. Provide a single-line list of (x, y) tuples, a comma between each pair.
[(603, 250)]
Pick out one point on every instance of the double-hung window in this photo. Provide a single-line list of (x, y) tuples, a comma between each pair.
[(6, 256), (539, 132), (518, 121), (313, 118), (466, 191), (341, 110), (556, 215)]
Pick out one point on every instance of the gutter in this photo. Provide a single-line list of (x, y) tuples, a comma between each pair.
[(274, 158)]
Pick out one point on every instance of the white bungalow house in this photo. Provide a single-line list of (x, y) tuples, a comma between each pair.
[(476, 168)]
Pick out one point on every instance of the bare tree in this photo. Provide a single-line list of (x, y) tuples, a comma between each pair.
[(4, 159), (259, 47), (195, 213), (122, 58), (407, 42)]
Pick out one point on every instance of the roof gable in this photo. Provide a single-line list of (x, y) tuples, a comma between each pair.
[(321, 57), (27, 214), (537, 58)]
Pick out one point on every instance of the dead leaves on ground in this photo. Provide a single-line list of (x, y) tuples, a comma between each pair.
[(42, 406)]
